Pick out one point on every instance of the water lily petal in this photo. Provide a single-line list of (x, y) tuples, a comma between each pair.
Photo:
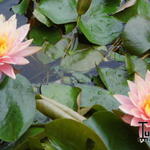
[(20, 47), (135, 121), (123, 99), (22, 32), (127, 118), (8, 70), (16, 60), (141, 87), (29, 51), (126, 109)]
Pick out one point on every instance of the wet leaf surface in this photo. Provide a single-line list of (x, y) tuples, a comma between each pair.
[(17, 107), (108, 126), (136, 35), (96, 22), (59, 11)]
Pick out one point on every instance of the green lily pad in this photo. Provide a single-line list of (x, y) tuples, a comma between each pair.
[(17, 107), (41, 34), (52, 52), (22, 7), (98, 27), (136, 35), (115, 134), (92, 95), (64, 94), (136, 65), (42, 18), (115, 79), (30, 140), (59, 11), (71, 135), (82, 60)]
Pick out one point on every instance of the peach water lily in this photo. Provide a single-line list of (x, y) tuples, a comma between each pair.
[(13, 47), (136, 106)]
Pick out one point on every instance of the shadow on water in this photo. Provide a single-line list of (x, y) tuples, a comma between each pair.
[(37, 72)]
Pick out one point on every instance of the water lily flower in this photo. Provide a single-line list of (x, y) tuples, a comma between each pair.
[(13, 48), (136, 105)]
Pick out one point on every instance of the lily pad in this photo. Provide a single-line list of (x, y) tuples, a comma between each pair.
[(42, 18), (41, 34), (52, 52), (71, 135), (64, 94), (115, 134), (17, 108), (136, 65), (22, 7), (98, 27), (115, 80), (59, 11), (82, 60), (136, 35), (92, 95)]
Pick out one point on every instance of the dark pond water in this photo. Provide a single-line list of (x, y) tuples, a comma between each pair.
[(37, 72)]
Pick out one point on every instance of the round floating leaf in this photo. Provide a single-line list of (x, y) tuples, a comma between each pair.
[(83, 60), (115, 80), (71, 135), (97, 26), (59, 11), (115, 134), (92, 95), (17, 108), (136, 35), (64, 94)]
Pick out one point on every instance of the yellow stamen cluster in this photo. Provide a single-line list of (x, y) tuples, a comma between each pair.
[(146, 106), (3, 45)]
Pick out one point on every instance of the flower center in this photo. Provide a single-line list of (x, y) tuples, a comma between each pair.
[(3, 45), (146, 106)]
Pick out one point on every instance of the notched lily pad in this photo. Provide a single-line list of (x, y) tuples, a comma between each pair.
[(98, 27)]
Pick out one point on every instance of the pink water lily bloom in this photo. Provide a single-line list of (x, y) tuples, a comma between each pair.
[(13, 48), (136, 106)]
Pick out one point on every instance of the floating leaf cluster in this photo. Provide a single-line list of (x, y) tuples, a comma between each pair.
[(78, 111)]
